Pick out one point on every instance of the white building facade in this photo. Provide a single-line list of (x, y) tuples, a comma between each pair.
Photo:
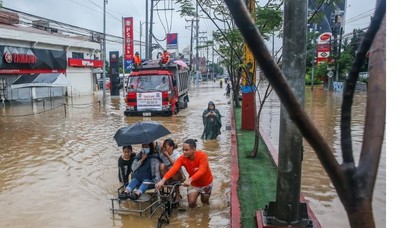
[(38, 54)]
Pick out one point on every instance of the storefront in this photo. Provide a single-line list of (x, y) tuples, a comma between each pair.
[(25, 53), (82, 73), (21, 66)]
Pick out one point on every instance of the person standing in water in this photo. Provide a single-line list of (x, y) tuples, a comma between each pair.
[(212, 122)]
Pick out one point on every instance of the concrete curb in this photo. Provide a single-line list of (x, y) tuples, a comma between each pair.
[(235, 204)]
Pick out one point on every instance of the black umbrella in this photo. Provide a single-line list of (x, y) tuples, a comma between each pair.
[(140, 133)]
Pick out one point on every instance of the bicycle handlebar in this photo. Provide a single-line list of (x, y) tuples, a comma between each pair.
[(161, 192), (174, 184)]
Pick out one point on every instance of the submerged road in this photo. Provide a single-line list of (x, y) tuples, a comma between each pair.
[(59, 169)]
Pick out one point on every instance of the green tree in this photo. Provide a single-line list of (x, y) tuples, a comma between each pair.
[(227, 40)]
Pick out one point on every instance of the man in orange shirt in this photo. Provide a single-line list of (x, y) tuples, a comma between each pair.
[(165, 58), (137, 61), (200, 175)]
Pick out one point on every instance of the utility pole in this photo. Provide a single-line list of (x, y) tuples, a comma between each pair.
[(287, 210), (197, 39), (339, 52), (314, 53), (273, 45), (147, 30), (198, 48), (104, 51), (338, 29), (151, 31), (140, 38), (213, 70), (191, 44), (151, 27)]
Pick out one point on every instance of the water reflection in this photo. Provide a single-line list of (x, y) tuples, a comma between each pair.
[(324, 109), (59, 166)]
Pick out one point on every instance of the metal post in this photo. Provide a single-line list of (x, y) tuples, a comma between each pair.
[(104, 50), (191, 47), (151, 31), (197, 38), (338, 55), (314, 55), (140, 39), (147, 29), (213, 70), (273, 45)]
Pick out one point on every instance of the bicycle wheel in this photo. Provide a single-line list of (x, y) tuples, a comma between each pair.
[(163, 219)]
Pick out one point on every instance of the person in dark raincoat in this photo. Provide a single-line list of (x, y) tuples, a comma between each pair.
[(212, 122)]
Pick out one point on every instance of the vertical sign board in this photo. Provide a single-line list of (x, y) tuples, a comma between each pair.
[(128, 36), (172, 41), (114, 73), (323, 47), (128, 65)]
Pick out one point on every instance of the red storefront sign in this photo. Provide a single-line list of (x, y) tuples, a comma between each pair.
[(85, 63), (128, 35), (21, 60)]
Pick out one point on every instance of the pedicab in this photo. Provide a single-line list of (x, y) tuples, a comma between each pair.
[(153, 200)]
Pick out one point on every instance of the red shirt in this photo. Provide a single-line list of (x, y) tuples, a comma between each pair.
[(198, 169)]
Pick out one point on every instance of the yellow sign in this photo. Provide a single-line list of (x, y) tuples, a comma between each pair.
[(249, 75)]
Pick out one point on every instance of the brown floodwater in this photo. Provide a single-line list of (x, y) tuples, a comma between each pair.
[(324, 109), (58, 168)]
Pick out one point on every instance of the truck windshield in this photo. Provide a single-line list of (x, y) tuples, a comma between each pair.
[(148, 83)]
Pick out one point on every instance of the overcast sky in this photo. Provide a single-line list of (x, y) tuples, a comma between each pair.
[(89, 14)]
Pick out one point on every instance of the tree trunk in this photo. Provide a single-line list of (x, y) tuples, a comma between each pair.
[(361, 216)]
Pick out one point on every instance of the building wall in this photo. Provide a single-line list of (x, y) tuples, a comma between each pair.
[(82, 79)]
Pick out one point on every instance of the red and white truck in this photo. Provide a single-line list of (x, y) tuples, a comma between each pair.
[(157, 90)]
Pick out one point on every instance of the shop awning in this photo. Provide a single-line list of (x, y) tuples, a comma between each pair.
[(41, 80)]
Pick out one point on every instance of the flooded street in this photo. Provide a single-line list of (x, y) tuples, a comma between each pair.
[(324, 109), (60, 170), (59, 167)]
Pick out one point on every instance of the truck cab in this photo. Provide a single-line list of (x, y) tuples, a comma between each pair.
[(155, 90)]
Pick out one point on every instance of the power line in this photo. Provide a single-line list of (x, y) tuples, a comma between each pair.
[(27, 19)]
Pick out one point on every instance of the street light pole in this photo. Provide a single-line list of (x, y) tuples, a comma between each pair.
[(147, 30), (140, 38), (314, 55), (104, 50)]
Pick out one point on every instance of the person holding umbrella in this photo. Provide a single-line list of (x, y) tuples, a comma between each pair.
[(200, 179), (145, 168)]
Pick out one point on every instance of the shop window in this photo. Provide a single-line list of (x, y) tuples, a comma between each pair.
[(77, 55)]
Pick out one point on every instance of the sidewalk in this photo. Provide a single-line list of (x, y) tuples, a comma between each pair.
[(253, 180)]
